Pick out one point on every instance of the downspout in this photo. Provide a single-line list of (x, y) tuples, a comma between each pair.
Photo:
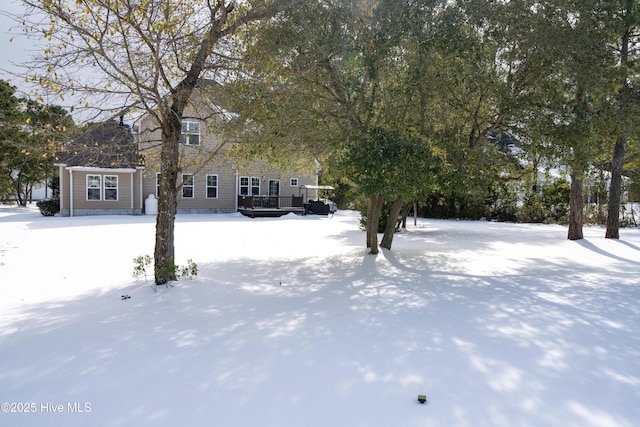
[(70, 192), (140, 191), (61, 187), (132, 199), (237, 190)]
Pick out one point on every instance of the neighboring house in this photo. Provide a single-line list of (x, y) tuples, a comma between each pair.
[(212, 182), (101, 173)]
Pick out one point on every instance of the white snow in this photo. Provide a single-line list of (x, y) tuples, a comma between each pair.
[(290, 322)]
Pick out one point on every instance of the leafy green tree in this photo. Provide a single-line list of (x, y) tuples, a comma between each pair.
[(28, 134), (11, 137), (330, 80)]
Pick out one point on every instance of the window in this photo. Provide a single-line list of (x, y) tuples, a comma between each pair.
[(187, 186), (110, 187), (157, 185), (94, 187), (293, 182), (102, 187), (249, 185), (244, 185), (212, 186), (274, 187), (190, 134)]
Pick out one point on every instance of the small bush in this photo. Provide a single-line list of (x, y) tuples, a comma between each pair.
[(49, 207), (140, 264)]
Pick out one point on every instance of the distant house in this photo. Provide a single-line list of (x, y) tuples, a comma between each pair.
[(101, 173), (212, 180)]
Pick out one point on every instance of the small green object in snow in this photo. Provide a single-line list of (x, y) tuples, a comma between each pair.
[(422, 398)]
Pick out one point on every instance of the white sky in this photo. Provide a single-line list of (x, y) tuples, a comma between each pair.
[(18, 51)]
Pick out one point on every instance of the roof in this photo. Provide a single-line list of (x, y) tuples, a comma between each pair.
[(317, 187), (108, 145)]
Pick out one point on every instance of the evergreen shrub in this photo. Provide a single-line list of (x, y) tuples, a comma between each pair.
[(49, 207)]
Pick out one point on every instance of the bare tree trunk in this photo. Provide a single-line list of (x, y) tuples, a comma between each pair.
[(164, 254), (615, 190), (373, 216), (615, 186), (392, 221), (575, 209)]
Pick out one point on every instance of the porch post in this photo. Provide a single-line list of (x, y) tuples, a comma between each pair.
[(70, 192), (132, 195)]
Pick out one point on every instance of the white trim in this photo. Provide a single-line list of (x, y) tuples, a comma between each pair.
[(192, 186), (206, 186), (105, 188), (102, 170), (61, 187), (71, 192), (269, 182), (87, 188), (237, 189)]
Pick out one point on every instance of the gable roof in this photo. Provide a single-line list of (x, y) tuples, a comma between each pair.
[(109, 145)]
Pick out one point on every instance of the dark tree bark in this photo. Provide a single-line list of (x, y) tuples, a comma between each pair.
[(575, 209), (615, 189), (164, 253), (374, 208), (392, 222), (615, 186)]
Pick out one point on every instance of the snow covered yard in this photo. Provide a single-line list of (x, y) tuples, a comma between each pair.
[(290, 323)]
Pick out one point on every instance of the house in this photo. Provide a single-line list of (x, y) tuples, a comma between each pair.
[(213, 181), (101, 173)]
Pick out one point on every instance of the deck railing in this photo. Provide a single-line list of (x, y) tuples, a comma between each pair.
[(270, 202)]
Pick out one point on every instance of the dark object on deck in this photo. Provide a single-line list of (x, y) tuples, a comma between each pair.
[(318, 207), (422, 398)]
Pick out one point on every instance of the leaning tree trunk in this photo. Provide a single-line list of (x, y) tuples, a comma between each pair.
[(374, 209), (164, 254), (392, 222), (615, 190), (575, 209)]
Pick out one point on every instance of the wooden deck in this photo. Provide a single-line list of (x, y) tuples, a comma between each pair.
[(269, 206)]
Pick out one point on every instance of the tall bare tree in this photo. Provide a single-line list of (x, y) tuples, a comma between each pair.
[(140, 56)]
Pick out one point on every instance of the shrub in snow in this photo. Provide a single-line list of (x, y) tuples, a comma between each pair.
[(140, 264), (49, 207)]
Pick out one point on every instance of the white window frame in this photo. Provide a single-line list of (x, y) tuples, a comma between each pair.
[(92, 186), (293, 182), (215, 187), (255, 186), (186, 186), (251, 187), (106, 188), (190, 133), (157, 185), (244, 188), (273, 182)]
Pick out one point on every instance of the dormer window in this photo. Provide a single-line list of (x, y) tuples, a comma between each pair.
[(190, 134)]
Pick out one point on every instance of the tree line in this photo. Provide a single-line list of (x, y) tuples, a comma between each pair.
[(409, 100)]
